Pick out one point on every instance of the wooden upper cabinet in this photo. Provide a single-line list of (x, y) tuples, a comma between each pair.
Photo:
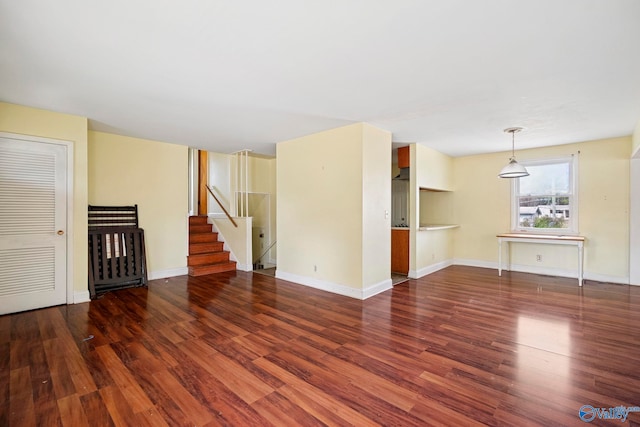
[(403, 157)]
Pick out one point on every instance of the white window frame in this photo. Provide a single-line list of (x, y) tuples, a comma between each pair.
[(572, 229)]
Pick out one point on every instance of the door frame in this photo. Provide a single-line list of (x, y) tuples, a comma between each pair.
[(203, 180), (634, 217), (69, 187)]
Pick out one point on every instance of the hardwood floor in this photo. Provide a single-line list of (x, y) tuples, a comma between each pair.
[(459, 347)]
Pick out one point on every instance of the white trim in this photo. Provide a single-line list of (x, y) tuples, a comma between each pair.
[(194, 168), (574, 222), (607, 278), (243, 267), (171, 272), (81, 296), (334, 287), (69, 232), (377, 288), (543, 271), (476, 263), (387, 284), (71, 294), (634, 221), (546, 271), (413, 274), (569, 274)]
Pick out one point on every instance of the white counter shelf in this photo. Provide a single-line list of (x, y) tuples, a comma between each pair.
[(431, 227)]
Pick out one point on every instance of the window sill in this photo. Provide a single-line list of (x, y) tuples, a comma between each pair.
[(546, 232)]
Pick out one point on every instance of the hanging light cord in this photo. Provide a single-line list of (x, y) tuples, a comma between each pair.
[(513, 144)]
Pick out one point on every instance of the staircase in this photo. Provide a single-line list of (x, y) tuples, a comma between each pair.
[(206, 254)]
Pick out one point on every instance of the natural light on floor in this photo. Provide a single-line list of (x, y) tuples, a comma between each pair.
[(544, 348)]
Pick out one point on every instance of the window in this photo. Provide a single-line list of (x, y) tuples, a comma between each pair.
[(546, 200)]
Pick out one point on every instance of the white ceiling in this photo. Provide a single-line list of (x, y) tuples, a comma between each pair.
[(228, 75)]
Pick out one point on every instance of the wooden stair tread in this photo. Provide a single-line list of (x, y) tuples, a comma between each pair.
[(199, 219), (203, 237), (201, 248), (206, 252), (208, 258), (200, 228), (201, 270)]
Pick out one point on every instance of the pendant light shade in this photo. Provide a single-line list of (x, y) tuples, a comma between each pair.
[(513, 169)]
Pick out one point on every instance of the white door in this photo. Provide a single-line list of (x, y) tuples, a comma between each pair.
[(33, 223)]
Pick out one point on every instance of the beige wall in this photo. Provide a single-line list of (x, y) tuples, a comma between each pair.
[(482, 208), (47, 124), (262, 172), (262, 206), (320, 206), (434, 250), (436, 207), (325, 182), (219, 179), (376, 206), (434, 247), (433, 169), (153, 175), (263, 180), (429, 250)]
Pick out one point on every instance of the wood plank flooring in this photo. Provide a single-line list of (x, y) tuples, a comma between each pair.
[(458, 347)]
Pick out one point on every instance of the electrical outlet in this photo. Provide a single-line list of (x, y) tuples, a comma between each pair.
[(539, 258), (315, 268)]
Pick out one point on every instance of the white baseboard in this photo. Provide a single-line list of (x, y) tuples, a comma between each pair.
[(546, 271), (81, 296), (607, 278), (416, 274), (243, 267), (573, 274), (376, 289), (334, 287), (475, 263), (172, 272)]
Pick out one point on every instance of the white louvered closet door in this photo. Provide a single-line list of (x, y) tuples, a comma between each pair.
[(33, 217)]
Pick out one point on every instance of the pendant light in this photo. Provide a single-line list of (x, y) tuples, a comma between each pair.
[(513, 169)]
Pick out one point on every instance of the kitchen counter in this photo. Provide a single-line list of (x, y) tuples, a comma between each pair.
[(429, 227)]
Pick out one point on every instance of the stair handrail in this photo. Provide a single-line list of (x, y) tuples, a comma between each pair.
[(220, 204), (265, 251)]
